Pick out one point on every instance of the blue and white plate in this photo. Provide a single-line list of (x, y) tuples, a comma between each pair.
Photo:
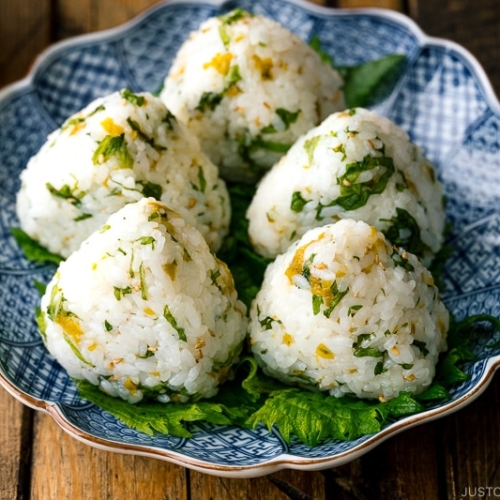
[(443, 100)]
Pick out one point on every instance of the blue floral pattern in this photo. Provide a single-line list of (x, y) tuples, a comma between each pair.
[(442, 100)]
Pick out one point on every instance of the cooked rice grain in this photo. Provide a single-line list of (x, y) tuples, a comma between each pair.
[(342, 311), (117, 150), (144, 309)]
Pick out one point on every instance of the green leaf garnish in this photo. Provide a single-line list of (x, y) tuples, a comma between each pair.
[(66, 193), (372, 82), (209, 100), (173, 322), (228, 19), (405, 232), (353, 194), (367, 83), (135, 99), (151, 189), (298, 202), (247, 267), (113, 146), (32, 250)]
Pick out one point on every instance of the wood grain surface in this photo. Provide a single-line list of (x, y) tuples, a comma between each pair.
[(437, 460)]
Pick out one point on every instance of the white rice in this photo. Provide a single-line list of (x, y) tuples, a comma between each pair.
[(144, 309), (248, 88), (342, 311), (117, 150), (351, 152)]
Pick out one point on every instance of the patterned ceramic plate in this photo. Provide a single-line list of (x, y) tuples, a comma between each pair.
[(443, 100)]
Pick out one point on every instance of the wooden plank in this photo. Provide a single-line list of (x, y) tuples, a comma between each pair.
[(74, 18), (396, 469), (277, 486), (387, 4), (65, 468), (24, 32), (15, 449), (471, 440)]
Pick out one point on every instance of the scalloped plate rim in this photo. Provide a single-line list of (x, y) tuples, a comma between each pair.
[(284, 460)]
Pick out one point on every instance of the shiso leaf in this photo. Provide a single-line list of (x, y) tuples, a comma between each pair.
[(253, 399), (256, 384), (313, 416), (231, 406), (372, 82), (247, 267), (435, 392), (368, 83), (163, 418), (32, 250)]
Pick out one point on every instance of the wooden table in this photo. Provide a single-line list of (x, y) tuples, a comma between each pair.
[(449, 458)]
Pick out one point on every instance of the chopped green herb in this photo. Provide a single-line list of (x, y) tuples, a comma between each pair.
[(113, 146), (352, 310), (337, 297), (147, 240), (154, 216), (316, 303), (340, 149), (209, 100), (66, 193), (287, 117), (228, 19), (405, 232), (142, 277), (121, 292), (276, 147), (72, 122), (310, 146), (76, 120), (379, 368), (306, 268), (360, 339), (361, 352), (422, 346), (150, 189), (233, 76), (355, 194), (75, 349), (138, 100), (107, 325), (266, 323), (201, 179), (248, 145), (401, 260), (298, 202), (170, 318), (145, 137), (169, 119), (406, 366), (82, 217)]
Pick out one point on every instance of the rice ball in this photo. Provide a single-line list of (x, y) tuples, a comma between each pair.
[(248, 88), (355, 165), (119, 149), (144, 309), (343, 311)]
